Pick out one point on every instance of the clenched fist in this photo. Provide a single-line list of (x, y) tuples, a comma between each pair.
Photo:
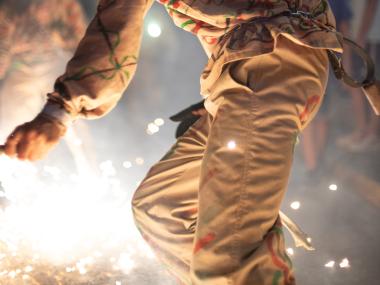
[(33, 140)]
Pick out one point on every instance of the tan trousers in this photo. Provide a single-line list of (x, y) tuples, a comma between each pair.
[(210, 206)]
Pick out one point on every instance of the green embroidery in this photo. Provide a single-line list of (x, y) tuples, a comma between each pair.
[(276, 278), (188, 22), (117, 65)]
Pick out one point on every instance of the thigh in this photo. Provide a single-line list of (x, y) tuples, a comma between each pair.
[(267, 101), (169, 191)]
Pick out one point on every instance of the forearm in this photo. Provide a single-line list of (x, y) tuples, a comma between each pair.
[(105, 60)]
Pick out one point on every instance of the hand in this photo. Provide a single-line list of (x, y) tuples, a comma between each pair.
[(33, 140)]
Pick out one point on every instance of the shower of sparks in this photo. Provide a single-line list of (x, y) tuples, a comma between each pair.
[(66, 227)]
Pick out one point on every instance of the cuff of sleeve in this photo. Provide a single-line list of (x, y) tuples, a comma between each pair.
[(57, 112)]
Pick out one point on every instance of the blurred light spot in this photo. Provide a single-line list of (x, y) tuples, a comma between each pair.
[(231, 144), (333, 187), (25, 276), (159, 122), (139, 161), (344, 263), (330, 264), (28, 268), (82, 271), (77, 142), (12, 274), (295, 205), (127, 164), (152, 129), (154, 30), (125, 263), (107, 168), (290, 251), (118, 283), (309, 239)]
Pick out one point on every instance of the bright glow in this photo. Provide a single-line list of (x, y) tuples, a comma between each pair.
[(330, 264), (154, 30), (344, 263), (25, 276), (333, 187), (309, 239), (118, 283), (231, 144), (295, 205), (126, 263), (159, 122), (290, 251), (66, 221), (152, 129), (127, 164), (107, 168), (139, 161)]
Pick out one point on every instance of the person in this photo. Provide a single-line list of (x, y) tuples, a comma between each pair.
[(365, 135), (210, 206), (315, 136)]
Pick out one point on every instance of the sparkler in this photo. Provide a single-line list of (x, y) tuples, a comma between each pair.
[(67, 229)]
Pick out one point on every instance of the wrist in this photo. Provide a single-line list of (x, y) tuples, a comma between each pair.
[(58, 113)]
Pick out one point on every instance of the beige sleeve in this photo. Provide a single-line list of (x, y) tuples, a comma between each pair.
[(105, 60), (6, 34)]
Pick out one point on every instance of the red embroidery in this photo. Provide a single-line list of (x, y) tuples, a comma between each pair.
[(201, 243), (311, 103)]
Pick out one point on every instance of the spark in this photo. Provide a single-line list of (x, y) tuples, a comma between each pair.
[(290, 251), (127, 164), (344, 263), (231, 144), (159, 122), (28, 268), (154, 30), (152, 129), (295, 205), (333, 187), (139, 161)]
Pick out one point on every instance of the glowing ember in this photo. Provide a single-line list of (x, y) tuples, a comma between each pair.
[(231, 144), (344, 263), (290, 251), (333, 187), (295, 205)]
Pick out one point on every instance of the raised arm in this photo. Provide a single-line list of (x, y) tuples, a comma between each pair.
[(95, 78), (104, 62)]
